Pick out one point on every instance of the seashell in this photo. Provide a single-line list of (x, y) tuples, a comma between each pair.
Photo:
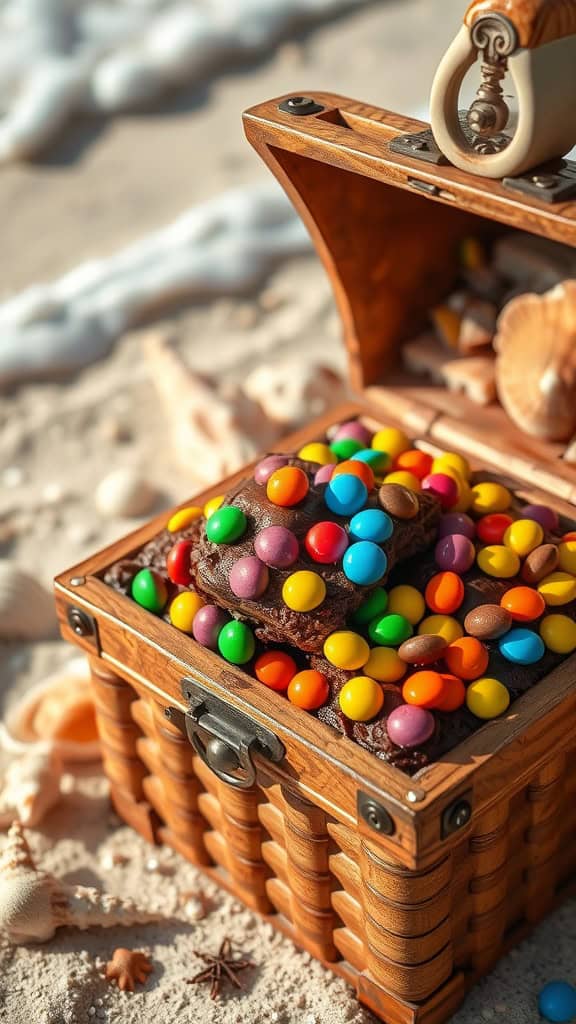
[(59, 713), (536, 364), (290, 391), (27, 609), (123, 492), (30, 787), (34, 903)]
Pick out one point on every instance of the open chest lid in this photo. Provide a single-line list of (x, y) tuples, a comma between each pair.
[(389, 227)]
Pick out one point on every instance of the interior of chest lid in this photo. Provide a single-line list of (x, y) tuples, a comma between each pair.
[(458, 310)]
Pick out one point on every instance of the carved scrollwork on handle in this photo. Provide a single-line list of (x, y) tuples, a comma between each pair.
[(495, 37)]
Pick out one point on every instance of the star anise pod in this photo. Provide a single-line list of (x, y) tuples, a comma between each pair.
[(220, 967)]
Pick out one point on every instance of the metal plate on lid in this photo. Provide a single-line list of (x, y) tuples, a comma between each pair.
[(552, 183)]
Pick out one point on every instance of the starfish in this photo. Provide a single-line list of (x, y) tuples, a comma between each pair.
[(220, 967), (128, 966)]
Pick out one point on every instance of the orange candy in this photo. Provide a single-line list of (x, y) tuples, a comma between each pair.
[(308, 689), (424, 689), (444, 593), (353, 467), (524, 603), (414, 461), (454, 695), (571, 535), (275, 669), (466, 658), (287, 486)]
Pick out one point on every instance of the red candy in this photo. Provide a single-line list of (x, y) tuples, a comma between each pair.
[(444, 593), (275, 669), (524, 603), (424, 689), (491, 529), (178, 563), (414, 461), (454, 694), (466, 658), (443, 487), (357, 468), (571, 535), (326, 542)]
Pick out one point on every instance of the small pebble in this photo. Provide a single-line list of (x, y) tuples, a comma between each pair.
[(124, 493)]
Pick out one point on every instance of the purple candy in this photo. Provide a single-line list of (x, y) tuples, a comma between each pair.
[(456, 522), (249, 578), (454, 553), (269, 465), (207, 624), (410, 726), (547, 517), (324, 474), (355, 431), (276, 546)]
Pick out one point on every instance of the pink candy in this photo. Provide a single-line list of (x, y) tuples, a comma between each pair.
[(324, 474), (442, 487), (355, 431), (269, 465), (455, 553), (276, 546), (410, 726), (249, 578)]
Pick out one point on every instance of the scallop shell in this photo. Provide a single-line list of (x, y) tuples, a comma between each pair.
[(27, 609), (536, 365)]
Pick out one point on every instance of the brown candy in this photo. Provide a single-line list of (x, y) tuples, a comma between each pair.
[(539, 563), (398, 501), (422, 650), (487, 622)]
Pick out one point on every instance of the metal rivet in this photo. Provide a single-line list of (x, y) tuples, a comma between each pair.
[(80, 622), (221, 757), (375, 815), (300, 105), (544, 180), (413, 797), (77, 581), (455, 817)]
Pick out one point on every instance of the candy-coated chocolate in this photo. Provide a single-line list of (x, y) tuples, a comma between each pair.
[(269, 465), (523, 536), (452, 460), (345, 448), (354, 429), (491, 529), (324, 474), (456, 522), (372, 524), (558, 633), (404, 479), (490, 497), (540, 563), (499, 561), (558, 588), (249, 578), (178, 563), (407, 601), (422, 650), (149, 590), (442, 487), (308, 690), (356, 468), (276, 546), (547, 517), (398, 501), (183, 609), (275, 669), (213, 505), (557, 1002), (465, 497), (346, 650), (466, 658), (372, 606), (287, 486), (183, 518), (487, 698), (378, 461), (454, 694), (441, 625), (444, 593), (521, 646), (424, 689), (524, 603), (409, 726), (389, 630), (567, 556), (303, 591), (454, 553), (236, 642), (226, 525), (571, 535), (326, 542), (414, 461), (385, 665), (361, 698), (364, 563), (316, 452), (207, 624), (392, 441), (345, 495), (488, 622)]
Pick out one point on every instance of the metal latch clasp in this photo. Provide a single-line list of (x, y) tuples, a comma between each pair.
[(225, 738)]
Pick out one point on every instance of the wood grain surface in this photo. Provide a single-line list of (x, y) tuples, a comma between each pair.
[(536, 21)]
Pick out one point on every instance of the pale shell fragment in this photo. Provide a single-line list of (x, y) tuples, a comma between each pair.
[(27, 609), (124, 493)]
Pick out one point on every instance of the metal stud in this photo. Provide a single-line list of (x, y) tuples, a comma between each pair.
[(455, 817), (300, 106), (375, 815)]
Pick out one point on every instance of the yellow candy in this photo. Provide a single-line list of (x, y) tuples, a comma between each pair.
[(183, 609), (392, 441), (361, 699), (403, 477), (523, 536), (499, 561), (213, 505), (490, 497), (558, 588), (407, 601), (303, 591), (567, 553), (465, 497), (558, 633), (346, 650), (385, 665), (452, 460), (487, 698), (183, 518), (441, 625), (316, 452)]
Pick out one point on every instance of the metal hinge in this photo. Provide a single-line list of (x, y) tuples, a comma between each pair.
[(551, 183)]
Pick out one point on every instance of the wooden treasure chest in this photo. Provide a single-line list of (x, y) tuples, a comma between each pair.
[(407, 862)]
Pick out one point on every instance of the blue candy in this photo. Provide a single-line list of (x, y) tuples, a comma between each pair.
[(372, 524), (345, 494), (557, 1002), (522, 646), (364, 563), (377, 460)]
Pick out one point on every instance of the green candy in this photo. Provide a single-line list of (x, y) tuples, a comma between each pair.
[(149, 590), (346, 448), (374, 606), (226, 525), (236, 642), (375, 459), (390, 630)]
